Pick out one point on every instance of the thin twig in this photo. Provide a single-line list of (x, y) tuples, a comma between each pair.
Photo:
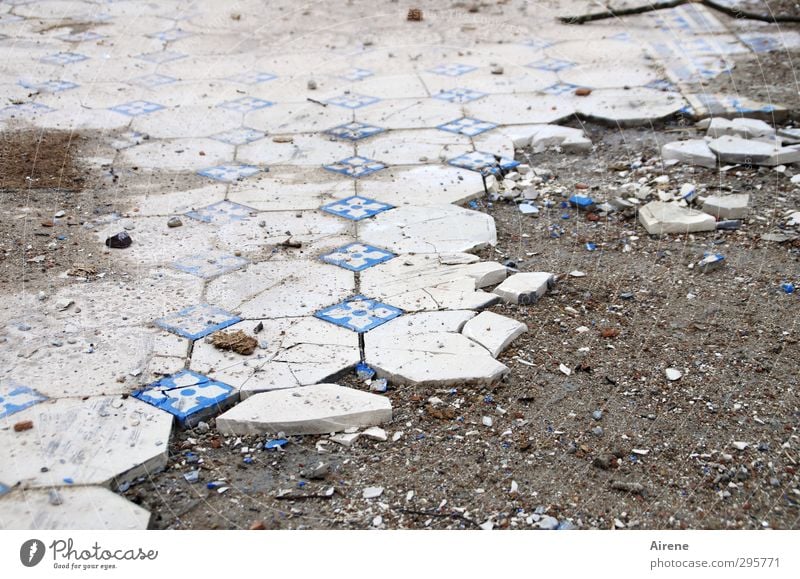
[(732, 12)]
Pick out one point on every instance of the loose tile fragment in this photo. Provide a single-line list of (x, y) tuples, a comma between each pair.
[(316, 409), (692, 151), (493, 331), (660, 217), (525, 288), (734, 206)]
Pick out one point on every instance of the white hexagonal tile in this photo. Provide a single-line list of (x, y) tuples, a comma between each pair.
[(432, 229), (97, 440), (292, 352)]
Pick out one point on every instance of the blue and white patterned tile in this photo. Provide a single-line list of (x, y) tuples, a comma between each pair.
[(137, 108), (152, 80), (24, 110), (160, 57), (245, 104), (15, 397), (759, 44), (354, 131), (210, 264), (467, 126), (356, 207), (551, 64), (196, 322), (51, 86), (352, 101), (481, 162), (252, 78), (359, 314), (459, 95), (87, 36), (229, 173), (356, 74), (63, 58), (560, 88), (188, 396), (357, 256), (537, 43), (4, 489), (170, 35), (222, 213), (622, 37), (355, 167), (454, 69), (240, 136)]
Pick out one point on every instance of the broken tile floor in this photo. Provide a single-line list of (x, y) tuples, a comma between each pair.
[(316, 182)]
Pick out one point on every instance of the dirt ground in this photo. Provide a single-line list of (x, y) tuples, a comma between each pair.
[(731, 332)]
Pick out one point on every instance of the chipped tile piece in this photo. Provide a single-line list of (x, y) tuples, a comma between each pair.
[(16, 397), (208, 265), (355, 166), (525, 288), (354, 131), (189, 396), (357, 256), (734, 206), (196, 322), (359, 314), (356, 207), (221, 213), (731, 149), (659, 217), (493, 331), (317, 409), (692, 151)]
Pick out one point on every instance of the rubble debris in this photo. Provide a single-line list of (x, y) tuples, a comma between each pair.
[(692, 151), (525, 288), (660, 217), (119, 241), (23, 426), (414, 15), (235, 341), (174, 221)]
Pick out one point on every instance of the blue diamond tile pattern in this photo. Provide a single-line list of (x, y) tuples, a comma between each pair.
[(354, 131), (452, 69), (537, 43), (352, 101), (210, 264), (356, 74), (221, 213), (661, 84), (229, 173), (137, 108), (359, 314), (240, 136), (356, 207), (245, 104), (560, 88), (161, 57), (552, 64), (188, 396), (49, 85), (4, 489), (355, 167), (467, 126), (15, 397), (170, 35), (196, 322), (357, 256), (252, 77), (459, 95), (86, 36), (152, 80), (483, 162), (24, 110), (63, 58)]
